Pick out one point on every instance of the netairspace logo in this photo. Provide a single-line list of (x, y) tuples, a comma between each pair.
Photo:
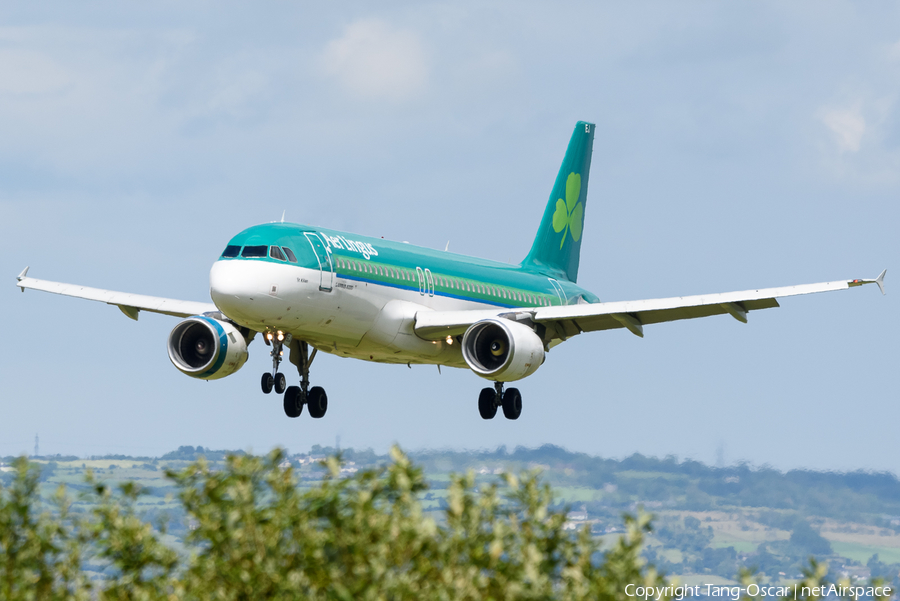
[(795, 591)]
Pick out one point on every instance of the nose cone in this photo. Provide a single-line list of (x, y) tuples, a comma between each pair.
[(230, 288), (252, 293)]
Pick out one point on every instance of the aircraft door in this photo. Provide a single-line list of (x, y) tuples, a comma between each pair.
[(326, 265), (429, 282), (421, 276), (559, 292)]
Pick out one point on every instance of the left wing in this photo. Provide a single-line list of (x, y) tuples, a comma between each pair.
[(129, 304), (569, 320)]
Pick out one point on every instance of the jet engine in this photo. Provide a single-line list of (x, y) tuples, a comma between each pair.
[(502, 350), (207, 348)]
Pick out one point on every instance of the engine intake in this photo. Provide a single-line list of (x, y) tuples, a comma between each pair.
[(207, 348), (502, 350)]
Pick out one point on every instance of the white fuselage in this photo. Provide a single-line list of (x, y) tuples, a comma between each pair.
[(359, 319)]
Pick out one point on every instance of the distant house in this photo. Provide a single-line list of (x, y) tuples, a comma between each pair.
[(309, 459), (856, 572), (577, 516)]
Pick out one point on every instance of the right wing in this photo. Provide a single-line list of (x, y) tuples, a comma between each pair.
[(129, 304), (568, 320)]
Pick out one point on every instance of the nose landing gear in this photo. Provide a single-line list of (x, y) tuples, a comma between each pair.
[(275, 380), (490, 399)]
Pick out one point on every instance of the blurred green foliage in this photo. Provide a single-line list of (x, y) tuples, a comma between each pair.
[(253, 534)]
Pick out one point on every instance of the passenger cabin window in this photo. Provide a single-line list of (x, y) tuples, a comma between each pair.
[(276, 253), (252, 252), (231, 251)]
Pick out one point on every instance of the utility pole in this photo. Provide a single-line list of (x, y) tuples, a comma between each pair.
[(36, 445)]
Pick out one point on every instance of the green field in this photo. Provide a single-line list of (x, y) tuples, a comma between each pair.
[(862, 553)]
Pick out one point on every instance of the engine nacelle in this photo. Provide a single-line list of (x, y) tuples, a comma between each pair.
[(207, 348), (502, 350)]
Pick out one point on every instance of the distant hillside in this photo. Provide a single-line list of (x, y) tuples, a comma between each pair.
[(708, 521), (691, 485)]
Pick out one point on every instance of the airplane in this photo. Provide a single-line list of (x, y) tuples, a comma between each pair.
[(309, 289)]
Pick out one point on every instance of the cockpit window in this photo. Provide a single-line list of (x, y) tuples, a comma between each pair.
[(289, 253), (255, 251), (275, 253), (231, 251)]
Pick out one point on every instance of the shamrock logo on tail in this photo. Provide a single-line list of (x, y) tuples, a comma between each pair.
[(569, 215)]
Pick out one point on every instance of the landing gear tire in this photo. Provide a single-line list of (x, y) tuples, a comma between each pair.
[(317, 401), (280, 383), (487, 405), (293, 403), (512, 403), (267, 383)]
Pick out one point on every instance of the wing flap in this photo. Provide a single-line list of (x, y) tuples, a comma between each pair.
[(129, 304)]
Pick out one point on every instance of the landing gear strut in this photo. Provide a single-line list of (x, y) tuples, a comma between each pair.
[(275, 380), (297, 396), (490, 399)]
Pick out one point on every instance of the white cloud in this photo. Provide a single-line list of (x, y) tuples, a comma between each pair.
[(848, 126), (375, 60)]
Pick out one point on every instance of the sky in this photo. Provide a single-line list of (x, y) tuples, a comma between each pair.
[(738, 145)]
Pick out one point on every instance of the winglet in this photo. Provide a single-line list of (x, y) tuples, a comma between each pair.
[(879, 280), (21, 277)]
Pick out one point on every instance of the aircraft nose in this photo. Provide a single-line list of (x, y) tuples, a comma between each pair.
[(228, 287)]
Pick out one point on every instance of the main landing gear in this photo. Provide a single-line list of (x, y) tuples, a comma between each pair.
[(294, 396), (490, 399), (297, 396)]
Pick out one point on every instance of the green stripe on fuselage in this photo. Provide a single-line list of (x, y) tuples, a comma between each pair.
[(352, 250)]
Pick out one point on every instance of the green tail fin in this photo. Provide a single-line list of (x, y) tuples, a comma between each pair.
[(557, 246)]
